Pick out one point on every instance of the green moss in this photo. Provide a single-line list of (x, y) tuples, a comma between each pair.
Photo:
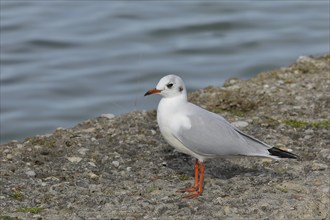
[(34, 210), (183, 177), (270, 121), (6, 217), (305, 124), (17, 195), (151, 188), (282, 188)]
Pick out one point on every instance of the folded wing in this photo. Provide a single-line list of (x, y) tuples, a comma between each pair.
[(211, 135)]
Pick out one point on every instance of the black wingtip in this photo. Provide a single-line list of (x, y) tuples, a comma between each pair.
[(281, 153)]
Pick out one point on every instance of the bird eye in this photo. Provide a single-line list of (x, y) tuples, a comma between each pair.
[(169, 85)]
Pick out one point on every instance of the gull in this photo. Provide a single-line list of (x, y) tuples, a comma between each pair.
[(202, 134)]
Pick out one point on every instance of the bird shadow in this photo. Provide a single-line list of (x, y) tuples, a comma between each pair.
[(219, 168)]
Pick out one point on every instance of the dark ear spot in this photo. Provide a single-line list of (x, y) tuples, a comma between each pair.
[(180, 89)]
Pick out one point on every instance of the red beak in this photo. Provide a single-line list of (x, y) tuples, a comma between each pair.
[(152, 91)]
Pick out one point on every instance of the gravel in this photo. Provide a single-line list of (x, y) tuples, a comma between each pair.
[(119, 167)]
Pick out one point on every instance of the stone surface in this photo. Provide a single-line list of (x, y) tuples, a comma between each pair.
[(119, 167)]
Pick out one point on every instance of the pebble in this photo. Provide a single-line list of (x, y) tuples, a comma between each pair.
[(129, 169), (109, 116), (89, 130), (30, 173), (309, 131), (308, 137), (92, 164), (83, 150), (104, 159), (52, 178), (37, 147), (92, 175), (325, 190), (240, 124), (319, 166), (60, 129), (9, 156), (74, 159), (115, 163)]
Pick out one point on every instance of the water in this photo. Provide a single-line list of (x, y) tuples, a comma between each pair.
[(66, 61)]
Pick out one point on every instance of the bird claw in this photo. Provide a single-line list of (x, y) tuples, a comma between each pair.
[(193, 192), (189, 189), (193, 195)]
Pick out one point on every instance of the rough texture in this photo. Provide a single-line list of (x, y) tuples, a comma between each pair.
[(121, 168)]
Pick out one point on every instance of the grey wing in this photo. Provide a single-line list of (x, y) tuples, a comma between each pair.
[(211, 135)]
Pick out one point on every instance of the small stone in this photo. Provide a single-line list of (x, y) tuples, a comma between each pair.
[(219, 201), (9, 156), (37, 216), (115, 163), (83, 150), (226, 209), (30, 173), (74, 159), (92, 164), (317, 183), (60, 129), (129, 169), (37, 147), (240, 124), (310, 86), (319, 166), (309, 131), (308, 137), (89, 130), (104, 159), (266, 161), (325, 189), (52, 178), (153, 132), (109, 116), (93, 175)]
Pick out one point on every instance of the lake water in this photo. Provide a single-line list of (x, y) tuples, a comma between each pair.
[(66, 61)]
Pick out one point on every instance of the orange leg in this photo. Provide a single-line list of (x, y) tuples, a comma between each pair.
[(198, 191), (195, 187)]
